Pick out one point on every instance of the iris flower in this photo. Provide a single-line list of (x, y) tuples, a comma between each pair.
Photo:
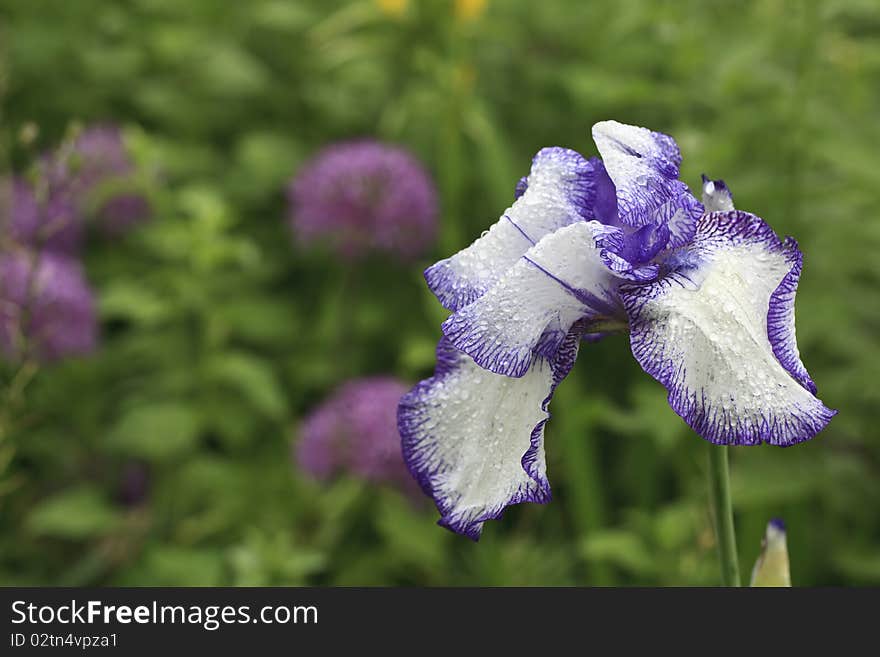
[(588, 247)]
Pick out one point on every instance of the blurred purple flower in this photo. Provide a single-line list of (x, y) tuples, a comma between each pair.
[(364, 196), (355, 431), (100, 159), (45, 298), (53, 225), (87, 176)]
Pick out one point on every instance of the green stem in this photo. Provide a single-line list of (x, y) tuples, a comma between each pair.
[(722, 512)]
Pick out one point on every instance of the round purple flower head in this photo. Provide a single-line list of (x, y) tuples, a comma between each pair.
[(355, 431), (52, 225), (48, 303), (364, 196), (96, 164)]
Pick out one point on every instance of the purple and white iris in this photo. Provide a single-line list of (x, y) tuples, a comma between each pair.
[(591, 246)]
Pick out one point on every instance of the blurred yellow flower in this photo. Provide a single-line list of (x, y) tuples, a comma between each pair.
[(469, 10), (393, 8)]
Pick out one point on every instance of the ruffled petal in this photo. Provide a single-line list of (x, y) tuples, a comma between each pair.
[(780, 318), (643, 165), (718, 332), (474, 440), (557, 282), (558, 191)]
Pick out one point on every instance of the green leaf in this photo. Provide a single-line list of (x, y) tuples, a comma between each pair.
[(859, 563), (264, 320), (132, 301), (620, 548), (251, 376), (179, 566), (78, 513), (158, 431)]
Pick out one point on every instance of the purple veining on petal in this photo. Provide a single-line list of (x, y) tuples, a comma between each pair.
[(364, 196), (680, 213), (45, 300), (780, 318), (580, 186), (670, 151), (413, 423), (599, 304), (421, 451), (520, 230), (646, 242), (355, 432), (625, 269), (643, 166), (533, 306), (715, 424), (521, 186), (560, 190), (562, 362)]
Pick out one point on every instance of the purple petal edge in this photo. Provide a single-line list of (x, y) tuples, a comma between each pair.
[(409, 422), (695, 414), (780, 318)]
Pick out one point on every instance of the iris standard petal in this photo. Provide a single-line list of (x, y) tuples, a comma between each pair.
[(718, 332), (474, 440), (643, 165), (557, 282), (558, 191)]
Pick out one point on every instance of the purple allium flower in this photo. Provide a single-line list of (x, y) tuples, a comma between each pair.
[(95, 170), (355, 432), (589, 247), (84, 179), (51, 224), (46, 306), (364, 196)]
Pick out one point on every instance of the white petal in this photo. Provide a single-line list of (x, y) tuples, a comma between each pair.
[(702, 331), (557, 282), (558, 193), (474, 439)]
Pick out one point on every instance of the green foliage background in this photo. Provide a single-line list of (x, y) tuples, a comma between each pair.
[(217, 335)]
